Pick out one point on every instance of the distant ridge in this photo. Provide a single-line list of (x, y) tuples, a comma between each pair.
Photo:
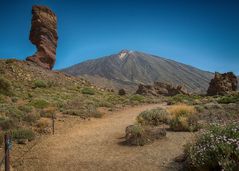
[(129, 68)]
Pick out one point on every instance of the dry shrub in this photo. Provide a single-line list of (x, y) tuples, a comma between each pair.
[(140, 135), (153, 117), (31, 117), (181, 109), (5, 86), (43, 125), (183, 118), (48, 112)]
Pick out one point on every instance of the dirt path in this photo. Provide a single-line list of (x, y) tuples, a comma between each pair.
[(94, 145)]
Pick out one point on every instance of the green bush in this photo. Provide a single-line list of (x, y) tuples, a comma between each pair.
[(200, 108), (217, 148), (5, 86), (137, 97), (229, 99), (89, 111), (88, 90), (135, 135), (181, 98), (31, 117), (40, 84), (39, 103), (141, 135), (2, 98), (23, 133), (1, 138), (6, 123), (14, 112), (25, 108), (153, 117)]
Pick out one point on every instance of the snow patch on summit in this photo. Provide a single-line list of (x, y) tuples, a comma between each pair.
[(122, 55)]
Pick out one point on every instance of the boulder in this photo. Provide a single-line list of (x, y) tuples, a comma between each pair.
[(222, 84), (43, 34)]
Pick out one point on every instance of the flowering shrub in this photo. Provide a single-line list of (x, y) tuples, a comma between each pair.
[(216, 149)]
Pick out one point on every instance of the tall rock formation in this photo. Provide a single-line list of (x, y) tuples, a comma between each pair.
[(222, 84), (44, 35)]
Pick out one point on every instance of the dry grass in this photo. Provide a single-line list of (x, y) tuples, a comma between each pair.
[(181, 109), (48, 112), (183, 118)]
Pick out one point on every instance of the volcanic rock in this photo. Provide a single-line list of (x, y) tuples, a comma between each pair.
[(159, 88), (44, 35), (222, 84)]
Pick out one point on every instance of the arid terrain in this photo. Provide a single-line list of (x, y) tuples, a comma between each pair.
[(129, 111), (96, 145)]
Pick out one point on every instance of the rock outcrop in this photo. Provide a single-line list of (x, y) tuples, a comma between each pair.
[(222, 84), (159, 88), (44, 35)]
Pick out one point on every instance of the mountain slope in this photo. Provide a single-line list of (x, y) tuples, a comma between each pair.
[(129, 68)]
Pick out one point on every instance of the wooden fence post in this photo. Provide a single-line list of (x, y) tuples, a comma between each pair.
[(7, 154), (53, 124)]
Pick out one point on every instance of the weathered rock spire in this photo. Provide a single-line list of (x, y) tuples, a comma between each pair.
[(44, 35)]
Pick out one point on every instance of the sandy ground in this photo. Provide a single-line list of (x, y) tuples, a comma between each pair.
[(95, 145)]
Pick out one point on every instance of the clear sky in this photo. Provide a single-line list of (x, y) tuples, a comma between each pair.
[(202, 33)]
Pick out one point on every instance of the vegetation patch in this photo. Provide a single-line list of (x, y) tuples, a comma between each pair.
[(217, 148), (137, 97), (25, 108), (40, 84), (5, 87), (139, 135), (183, 118), (39, 103), (48, 112), (31, 117), (229, 99), (1, 138), (88, 90), (43, 126), (6, 123), (23, 133), (89, 111), (153, 117), (181, 98)]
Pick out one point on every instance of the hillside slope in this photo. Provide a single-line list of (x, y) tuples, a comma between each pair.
[(129, 68), (30, 95)]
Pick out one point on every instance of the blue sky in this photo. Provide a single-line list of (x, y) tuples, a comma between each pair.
[(202, 33)]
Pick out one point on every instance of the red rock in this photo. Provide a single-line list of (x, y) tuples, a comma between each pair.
[(222, 84), (159, 88), (44, 35)]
